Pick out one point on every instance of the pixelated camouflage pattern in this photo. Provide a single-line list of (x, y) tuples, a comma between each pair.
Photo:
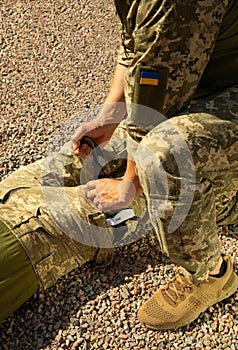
[(23, 208), (210, 129), (178, 36), (52, 253)]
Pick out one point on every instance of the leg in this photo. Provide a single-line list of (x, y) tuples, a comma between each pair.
[(54, 222), (192, 188), (18, 281), (42, 252)]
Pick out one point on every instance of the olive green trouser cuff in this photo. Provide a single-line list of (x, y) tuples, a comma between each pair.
[(17, 278)]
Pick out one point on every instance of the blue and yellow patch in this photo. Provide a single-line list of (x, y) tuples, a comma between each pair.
[(149, 78)]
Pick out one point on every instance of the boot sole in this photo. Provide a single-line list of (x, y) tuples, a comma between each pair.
[(227, 294)]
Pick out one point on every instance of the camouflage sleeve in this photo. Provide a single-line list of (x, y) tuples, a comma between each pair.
[(126, 49), (175, 39), (125, 52)]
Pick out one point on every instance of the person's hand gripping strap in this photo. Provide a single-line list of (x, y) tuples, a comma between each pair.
[(114, 217), (97, 156)]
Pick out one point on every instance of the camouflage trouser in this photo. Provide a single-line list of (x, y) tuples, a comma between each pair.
[(44, 205), (27, 197), (188, 167)]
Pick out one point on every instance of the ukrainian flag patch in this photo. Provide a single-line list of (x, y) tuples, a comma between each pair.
[(149, 78)]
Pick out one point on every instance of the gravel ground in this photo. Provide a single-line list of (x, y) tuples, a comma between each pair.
[(56, 61)]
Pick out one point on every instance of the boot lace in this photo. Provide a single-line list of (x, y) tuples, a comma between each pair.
[(176, 289)]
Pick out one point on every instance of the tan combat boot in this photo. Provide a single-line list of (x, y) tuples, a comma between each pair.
[(180, 302)]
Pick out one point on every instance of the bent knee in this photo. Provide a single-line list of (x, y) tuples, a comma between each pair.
[(168, 146)]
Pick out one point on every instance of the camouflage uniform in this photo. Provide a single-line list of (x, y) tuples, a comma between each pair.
[(44, 205), (192, 46), (48, 228), (177, 41), (177, 38), (203, 199)]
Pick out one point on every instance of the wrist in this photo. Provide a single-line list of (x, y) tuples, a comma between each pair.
[(132, 182)]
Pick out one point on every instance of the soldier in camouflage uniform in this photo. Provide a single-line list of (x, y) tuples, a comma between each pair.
[(185, 166), (179, 58)]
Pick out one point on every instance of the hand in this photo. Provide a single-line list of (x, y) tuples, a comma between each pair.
[(111, 194), (100, 129), (100, 134)]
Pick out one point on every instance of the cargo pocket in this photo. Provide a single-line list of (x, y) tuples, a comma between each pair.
[(20, 205), (45, 271)]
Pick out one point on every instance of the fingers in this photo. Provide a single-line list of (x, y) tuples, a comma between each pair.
[(82, 147), (104, 194), (77, 146), (96, 194), (79, 133), (91, 185), (92, 194), (91, 190), (83, 150)]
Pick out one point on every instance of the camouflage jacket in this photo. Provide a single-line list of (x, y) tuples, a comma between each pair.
[(186, 43)]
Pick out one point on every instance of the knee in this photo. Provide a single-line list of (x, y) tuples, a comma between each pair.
[(169, 147)]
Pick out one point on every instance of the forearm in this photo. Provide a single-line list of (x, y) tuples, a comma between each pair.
[(131, 175), (116, 92), (114, 107), (110, 115)]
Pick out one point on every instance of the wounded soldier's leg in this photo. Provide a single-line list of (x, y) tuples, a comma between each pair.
[(54, 228), (18, 281)]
